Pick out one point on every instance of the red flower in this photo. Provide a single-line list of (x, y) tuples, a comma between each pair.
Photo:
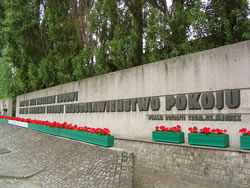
[(162, 127), (85, 128), (178, 126), (104, 131), (92, 130), (107, 130), (243, 130), (68, 126), (58, 125)]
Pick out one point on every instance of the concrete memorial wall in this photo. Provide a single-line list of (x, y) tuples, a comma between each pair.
[(209, 88)]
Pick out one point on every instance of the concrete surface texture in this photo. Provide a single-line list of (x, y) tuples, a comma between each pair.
[(218, 69), (8, 103), (41, 160)]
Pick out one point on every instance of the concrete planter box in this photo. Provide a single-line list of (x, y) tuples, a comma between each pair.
[(36, 127), (43, 128), (79, 135), (162, 136), (64, 132), (50, 130), (102, 140), (245, 142), (215, 140), (73, 134), (3, 120)]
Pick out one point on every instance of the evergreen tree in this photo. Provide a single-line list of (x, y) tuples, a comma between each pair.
[(44, 43)]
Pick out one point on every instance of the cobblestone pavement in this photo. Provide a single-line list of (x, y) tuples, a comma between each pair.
[(40, 160), (149, 178)]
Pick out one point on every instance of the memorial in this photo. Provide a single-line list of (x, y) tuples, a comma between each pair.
[(203, 98), (209, 88)]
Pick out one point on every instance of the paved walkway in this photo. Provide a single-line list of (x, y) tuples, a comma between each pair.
[(40, 160)]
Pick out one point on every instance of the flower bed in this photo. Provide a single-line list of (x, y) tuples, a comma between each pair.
[(36, 127), (244, 138), (50, 130), (103, 140), (168, 134), (97, 136), (100, 137), (208, 137), (74, 132), (79, 135)]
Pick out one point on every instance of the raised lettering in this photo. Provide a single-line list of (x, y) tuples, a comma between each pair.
[(155, 103), (219, 100), (143, 103), (207, 100), (233, 98), (127, 105), (181, 102), (170, 102), (193, 101), (101, 106), (112, 106), (133, 104), (119, 105)]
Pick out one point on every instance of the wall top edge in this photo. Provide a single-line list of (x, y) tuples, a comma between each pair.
[(170, 60)]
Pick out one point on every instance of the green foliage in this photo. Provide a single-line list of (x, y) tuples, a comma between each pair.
[(82, 64), (227, 21), (6, 81), (122, 52), (44, 43)]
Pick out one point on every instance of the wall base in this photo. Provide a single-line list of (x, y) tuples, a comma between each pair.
[(227, 166)]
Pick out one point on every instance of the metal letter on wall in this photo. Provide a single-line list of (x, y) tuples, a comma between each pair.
[(170, 102), (233, 98), (193, 101), (127, 105), (143, 103), (207, 100), (219, 100), (181, 102), (133, 104), (155, 103)]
